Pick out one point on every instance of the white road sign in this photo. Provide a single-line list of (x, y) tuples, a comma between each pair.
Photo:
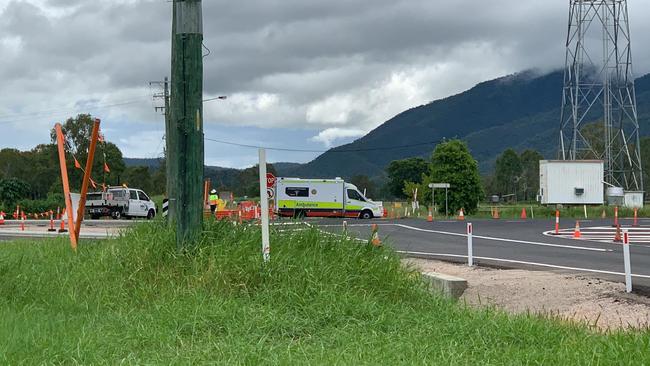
[(439, 185)]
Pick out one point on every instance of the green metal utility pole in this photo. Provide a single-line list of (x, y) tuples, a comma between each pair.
[(185, 135)]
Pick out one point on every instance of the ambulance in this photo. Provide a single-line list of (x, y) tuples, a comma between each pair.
[(296, 197)]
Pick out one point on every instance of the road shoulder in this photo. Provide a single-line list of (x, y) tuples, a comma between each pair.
[(599, 303)]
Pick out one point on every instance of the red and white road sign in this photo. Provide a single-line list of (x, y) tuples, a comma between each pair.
[(270, 180)]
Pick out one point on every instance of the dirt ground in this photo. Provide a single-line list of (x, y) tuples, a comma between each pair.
[(601, 304)]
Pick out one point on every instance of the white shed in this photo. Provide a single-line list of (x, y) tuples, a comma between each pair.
[(571, 182), (634, 199)]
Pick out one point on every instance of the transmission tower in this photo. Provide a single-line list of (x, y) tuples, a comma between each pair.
[(599, 87)]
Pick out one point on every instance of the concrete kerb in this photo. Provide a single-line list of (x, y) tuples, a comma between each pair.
[(449, 286)]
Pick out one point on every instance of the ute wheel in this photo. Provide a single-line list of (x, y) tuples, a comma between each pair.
[(151, 214), (117, 215), (366, 215)]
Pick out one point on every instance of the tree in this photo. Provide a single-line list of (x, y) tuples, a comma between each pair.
[(363, 182), (138, 177), (530, 174), (159, 179), (452, 163), (77, 133), (645, 162), (249, 181), (507, 172), (13, 190), (594, 134), (44, 170), (402, 171)]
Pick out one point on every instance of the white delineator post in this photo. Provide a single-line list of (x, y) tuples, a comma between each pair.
[(626, 259), (264, 203), (470, 249)]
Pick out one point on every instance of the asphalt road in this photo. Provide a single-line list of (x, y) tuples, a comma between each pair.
[(510, 244)]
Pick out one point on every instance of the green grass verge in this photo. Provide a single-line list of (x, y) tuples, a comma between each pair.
[(321, 300), (532, 210)]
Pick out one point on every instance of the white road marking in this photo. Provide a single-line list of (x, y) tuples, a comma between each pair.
[(480, 237), (523, 262), (603, 234), (507, 240)]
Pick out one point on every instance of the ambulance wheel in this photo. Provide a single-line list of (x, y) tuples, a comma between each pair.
[(366, 215)]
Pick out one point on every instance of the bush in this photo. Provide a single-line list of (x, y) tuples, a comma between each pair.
[(52, 202)]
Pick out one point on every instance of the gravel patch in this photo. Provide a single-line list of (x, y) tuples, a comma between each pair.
[(601, 304)]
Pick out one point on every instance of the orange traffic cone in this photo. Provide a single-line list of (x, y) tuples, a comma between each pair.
[(636, 217), (375, 236), (430, 217), (576, 232), (523, 213), (461, 215), (62, 227), (495, 213), (51, 229), (618, 238), (2, 218)]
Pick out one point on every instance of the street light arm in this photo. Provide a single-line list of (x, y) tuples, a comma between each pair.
[(221, 97)]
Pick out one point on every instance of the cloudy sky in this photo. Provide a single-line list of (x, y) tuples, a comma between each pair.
[(303, 74)]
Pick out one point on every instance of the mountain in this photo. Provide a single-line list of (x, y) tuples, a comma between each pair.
[(152, 164), (280, 167), (220, 176), (519, 111), (284, 169)]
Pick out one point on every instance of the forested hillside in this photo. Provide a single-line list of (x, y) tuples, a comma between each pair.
[(521, 111)]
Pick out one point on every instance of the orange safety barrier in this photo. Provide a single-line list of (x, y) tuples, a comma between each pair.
[(226, 214), (248, 210)]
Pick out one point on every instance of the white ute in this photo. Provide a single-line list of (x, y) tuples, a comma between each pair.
[(119, 202)]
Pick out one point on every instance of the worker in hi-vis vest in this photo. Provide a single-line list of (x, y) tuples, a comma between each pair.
[(214, 200)]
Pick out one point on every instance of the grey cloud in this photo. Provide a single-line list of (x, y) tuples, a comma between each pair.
[(284, 61)]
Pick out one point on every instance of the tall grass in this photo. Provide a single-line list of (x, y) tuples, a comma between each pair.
[(321, 300), (402, 209)]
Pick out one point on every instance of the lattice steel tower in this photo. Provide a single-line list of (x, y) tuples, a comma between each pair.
[(599, 87)]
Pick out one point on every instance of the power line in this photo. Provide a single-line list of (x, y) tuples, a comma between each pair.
[(56, 113), (323, 151)]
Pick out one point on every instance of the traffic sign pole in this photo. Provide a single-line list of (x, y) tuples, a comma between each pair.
[(433, 187)]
